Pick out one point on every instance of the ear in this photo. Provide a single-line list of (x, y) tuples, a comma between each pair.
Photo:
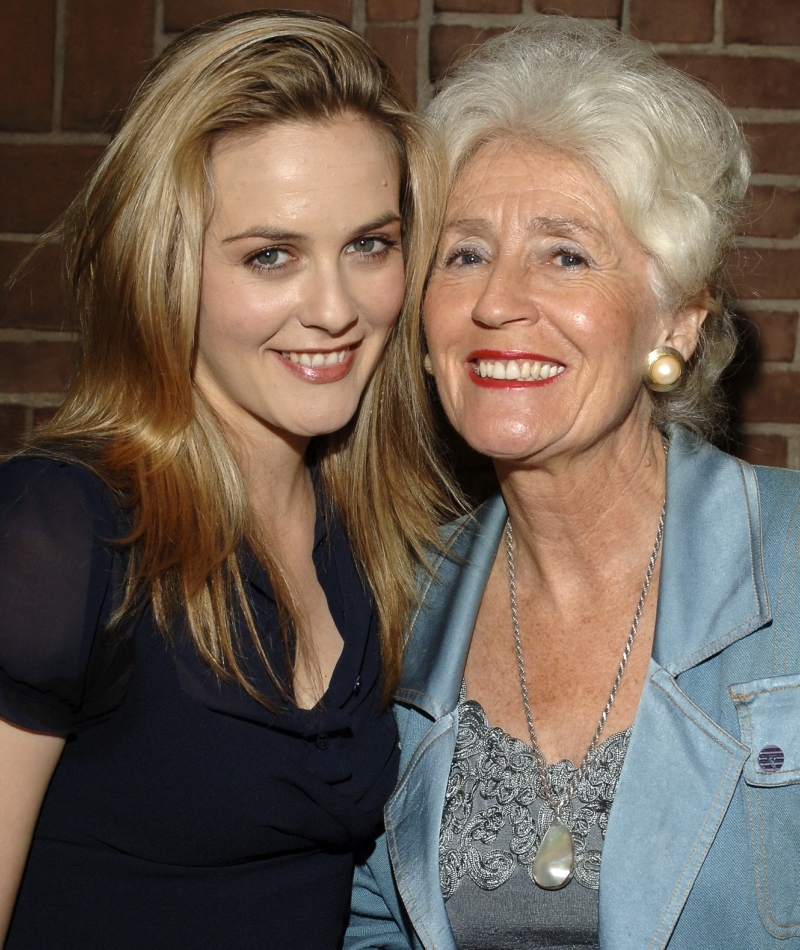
[(685, 331)]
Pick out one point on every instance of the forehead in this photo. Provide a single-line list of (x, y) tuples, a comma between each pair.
[(515, 173), (340, 168), (305, 138)]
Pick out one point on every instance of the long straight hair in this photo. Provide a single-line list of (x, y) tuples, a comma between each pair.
[(133, 243)]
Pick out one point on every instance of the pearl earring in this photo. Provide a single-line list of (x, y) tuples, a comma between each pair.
[(665, 369), (428, 364)]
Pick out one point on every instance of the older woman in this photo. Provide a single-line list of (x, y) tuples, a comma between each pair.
[(599, 711)]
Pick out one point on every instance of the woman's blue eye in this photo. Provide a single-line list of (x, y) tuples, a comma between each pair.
[(465, 258), (269, 257), (567, 259)]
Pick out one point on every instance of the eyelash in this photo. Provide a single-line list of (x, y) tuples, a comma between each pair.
[(378, 255), (464, 251), (581, 259)]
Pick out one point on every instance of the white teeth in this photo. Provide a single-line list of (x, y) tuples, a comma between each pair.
[(316, 359), (516, 369)]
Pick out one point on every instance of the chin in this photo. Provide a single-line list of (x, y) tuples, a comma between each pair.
[(501, 442)]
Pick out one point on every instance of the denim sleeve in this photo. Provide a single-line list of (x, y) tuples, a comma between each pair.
[(372, 924)]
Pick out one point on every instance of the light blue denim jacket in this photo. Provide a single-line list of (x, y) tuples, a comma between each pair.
[(703, 845)]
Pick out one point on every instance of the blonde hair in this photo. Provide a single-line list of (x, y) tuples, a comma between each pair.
[(133, 242), (670, 153)]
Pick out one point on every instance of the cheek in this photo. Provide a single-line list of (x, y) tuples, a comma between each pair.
[(441, 318), (383, 300)]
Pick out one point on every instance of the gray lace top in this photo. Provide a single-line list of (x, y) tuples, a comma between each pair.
[(493, 821)]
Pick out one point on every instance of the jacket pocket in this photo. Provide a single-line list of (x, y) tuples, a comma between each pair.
[(769, 717)]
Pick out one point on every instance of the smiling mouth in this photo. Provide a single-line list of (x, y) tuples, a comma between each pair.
[(523, 370), (315, 360)]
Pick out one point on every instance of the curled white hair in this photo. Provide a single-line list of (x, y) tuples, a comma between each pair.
[(670, 153)]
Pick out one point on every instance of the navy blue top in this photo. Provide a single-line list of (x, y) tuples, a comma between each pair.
[(182, 814)]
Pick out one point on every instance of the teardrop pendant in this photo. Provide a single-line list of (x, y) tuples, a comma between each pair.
[(554, 863)]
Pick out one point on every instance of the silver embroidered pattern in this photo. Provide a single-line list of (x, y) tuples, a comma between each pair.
[(495, 816)]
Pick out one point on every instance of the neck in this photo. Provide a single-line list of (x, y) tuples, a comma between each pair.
[(276, 475), (577, 519)]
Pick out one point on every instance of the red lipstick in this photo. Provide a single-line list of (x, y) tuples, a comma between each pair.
[(520, 357)]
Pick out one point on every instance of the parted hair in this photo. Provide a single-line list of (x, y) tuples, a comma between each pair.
[(670, 153), (132, 243)]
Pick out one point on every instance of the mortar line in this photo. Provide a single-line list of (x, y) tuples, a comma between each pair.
[(358, 16), (59, 61), (425, 21), (719, 23), (158, 28), (625, 17)]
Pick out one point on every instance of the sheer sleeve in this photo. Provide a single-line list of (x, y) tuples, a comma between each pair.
[(57, 523)]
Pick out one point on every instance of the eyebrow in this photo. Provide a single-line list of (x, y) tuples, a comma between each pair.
[(277, 235), (551, 224), (558, 224)]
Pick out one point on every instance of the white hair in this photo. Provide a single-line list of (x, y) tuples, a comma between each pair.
[(670, 153)]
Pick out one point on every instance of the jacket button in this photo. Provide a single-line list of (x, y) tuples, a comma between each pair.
[(770, 758), (323, 740)]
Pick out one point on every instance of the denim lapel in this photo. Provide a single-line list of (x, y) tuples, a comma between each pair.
[(441, 628), (436, 654), (712, 592)]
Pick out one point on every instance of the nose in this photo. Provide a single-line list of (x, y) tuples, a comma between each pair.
[(329, 306), (507, 296)]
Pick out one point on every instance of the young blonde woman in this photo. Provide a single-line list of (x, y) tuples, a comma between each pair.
[(193, 743)]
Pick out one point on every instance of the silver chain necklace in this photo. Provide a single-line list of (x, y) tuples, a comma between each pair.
[(554, 863)]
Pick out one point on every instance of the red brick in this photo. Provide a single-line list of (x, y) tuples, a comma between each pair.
[(774, 212), (39, 181), (767, 273), (36, 300), (776, 147), (12, 427), (40, 367), (767, 21), (392, 10), (774, 334), (398, 47), (597, 9), (478, 6), (107, 48), (181, 14), (773, 397), (27, 52), (673, 21), (758, 449), (448, 44), (747, 82)]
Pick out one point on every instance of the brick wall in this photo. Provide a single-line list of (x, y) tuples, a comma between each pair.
[(67, 65)]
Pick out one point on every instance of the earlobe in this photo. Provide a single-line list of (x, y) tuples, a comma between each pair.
[(685, 333)]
